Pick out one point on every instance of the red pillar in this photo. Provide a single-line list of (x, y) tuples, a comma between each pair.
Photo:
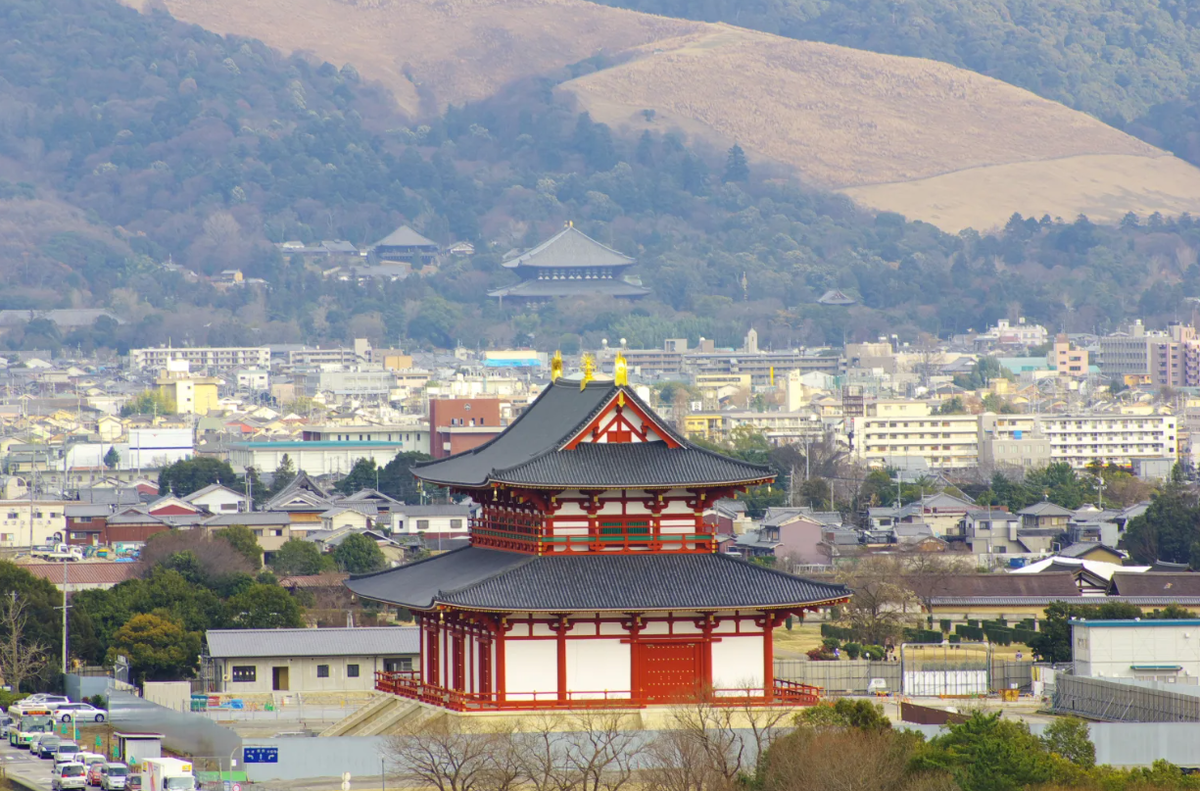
[(562, 658), (433, 662), (768, 656), (500, 682)]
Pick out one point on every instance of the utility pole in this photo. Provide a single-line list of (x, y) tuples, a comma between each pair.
[(66, 609)]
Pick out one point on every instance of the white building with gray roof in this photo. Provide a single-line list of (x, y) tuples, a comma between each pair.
[(263, 661)]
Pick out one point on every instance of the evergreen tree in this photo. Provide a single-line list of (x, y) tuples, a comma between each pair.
[(112, 458), (736, 167)]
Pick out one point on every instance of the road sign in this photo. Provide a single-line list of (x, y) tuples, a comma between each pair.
[(237, 787), (228, 785), (260, 755)]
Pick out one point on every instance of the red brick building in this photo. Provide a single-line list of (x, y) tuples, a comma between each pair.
[(457, 425)]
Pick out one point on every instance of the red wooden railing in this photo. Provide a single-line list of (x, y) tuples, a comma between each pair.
[(408, 684)]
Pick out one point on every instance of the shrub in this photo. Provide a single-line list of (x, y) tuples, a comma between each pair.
[(873, 652), (853, 650), (821, 655), (830, 643), (955, 638), (945, 624)]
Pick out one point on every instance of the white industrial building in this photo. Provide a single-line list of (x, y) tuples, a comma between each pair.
[(1138, 649)]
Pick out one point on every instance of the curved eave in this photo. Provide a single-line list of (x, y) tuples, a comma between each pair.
[(438, 606), (495, 482)]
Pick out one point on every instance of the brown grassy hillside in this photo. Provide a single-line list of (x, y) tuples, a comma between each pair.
[(925, 138)]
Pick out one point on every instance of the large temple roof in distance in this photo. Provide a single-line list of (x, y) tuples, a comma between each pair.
[(568, 248), (488, 579), (532, 451)]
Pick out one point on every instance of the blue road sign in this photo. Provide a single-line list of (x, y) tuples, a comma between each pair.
[(260, 755)]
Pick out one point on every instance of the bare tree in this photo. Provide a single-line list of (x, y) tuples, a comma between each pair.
[(838, 760), (451, 754), (602, 751), (881, 597), (706, 747), (19, 658), (541, 754), (928, 574)]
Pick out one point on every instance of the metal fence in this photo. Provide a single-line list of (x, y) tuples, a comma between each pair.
[(1103, 699), (927, 677)]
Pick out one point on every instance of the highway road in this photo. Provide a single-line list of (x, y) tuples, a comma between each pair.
[(27, 769)]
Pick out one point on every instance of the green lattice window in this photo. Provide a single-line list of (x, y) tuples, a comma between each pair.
[(625, 528)]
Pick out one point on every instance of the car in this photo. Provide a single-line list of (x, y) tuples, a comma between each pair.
[(95, 773), (67, 752), (114, 777), (47, 745), (36, 739), (68, 776), (6, 723), (65, 712)]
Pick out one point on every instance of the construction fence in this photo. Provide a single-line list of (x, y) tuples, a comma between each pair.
[(927, 677), (1124, 701)]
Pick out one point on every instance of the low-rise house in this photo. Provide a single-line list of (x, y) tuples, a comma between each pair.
[(254, 661), (218, 499), (92, 575), (447, 520)]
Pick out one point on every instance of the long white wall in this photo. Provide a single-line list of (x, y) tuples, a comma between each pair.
[(737, 662), (595, 667)]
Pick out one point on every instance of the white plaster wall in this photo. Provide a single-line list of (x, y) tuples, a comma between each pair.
[(737, 662), (594, 666), (530, 666), (1111, 651)]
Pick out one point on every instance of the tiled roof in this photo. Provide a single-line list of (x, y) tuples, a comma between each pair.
[(1051, 584), (530, 450), (1156, 583), (360, 641), (490, 579), (328, 580), (87, 573), (405, 237), (1045, 509), (570, 247), (1082, 548)]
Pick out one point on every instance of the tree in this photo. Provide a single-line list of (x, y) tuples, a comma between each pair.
[(112, 458), (285, 473), (987, 753), (363, 475), (359, 554), (300, 557), (41, 624), (265, 607), (1168, 530), (244, 541), (1070, 738), (191, 475), (158, 648), (451, 753), (21, 658), (202, 558), (928, 574), (877, 608), (149, 402), (736, 167), (952, 406)]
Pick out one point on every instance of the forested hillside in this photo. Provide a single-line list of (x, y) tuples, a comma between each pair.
[(178, 144)]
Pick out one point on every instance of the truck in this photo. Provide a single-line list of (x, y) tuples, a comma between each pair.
[(166, 774), (32, 721), (62, 552)]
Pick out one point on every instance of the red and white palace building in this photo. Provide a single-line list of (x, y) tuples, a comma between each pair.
[(591, 579)]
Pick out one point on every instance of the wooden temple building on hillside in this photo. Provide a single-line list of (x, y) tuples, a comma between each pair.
[(591, 579), (570, 264)]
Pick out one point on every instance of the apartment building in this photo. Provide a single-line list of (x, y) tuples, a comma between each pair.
[(305, 356), (1069, 361), (213, 357), (47, 518), (907, 429), (1080, 440), (1012, 441)]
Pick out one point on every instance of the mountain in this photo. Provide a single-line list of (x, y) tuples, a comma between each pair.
[(930, 140), (1113, 59)]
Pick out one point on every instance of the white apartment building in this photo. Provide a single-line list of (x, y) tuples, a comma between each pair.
[(1145, 650), (893, 429), (48, 520), (780, 428), (1012, 441), (1080, 440), (202, 357)]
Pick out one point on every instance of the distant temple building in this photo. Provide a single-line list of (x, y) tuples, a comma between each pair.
[(405, 246), (571, 264), (592, 578)]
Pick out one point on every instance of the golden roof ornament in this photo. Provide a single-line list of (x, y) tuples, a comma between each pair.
[(588, 365), (620, 370), (556, 366)]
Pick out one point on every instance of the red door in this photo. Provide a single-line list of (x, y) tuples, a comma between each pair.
[(669, 672)]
